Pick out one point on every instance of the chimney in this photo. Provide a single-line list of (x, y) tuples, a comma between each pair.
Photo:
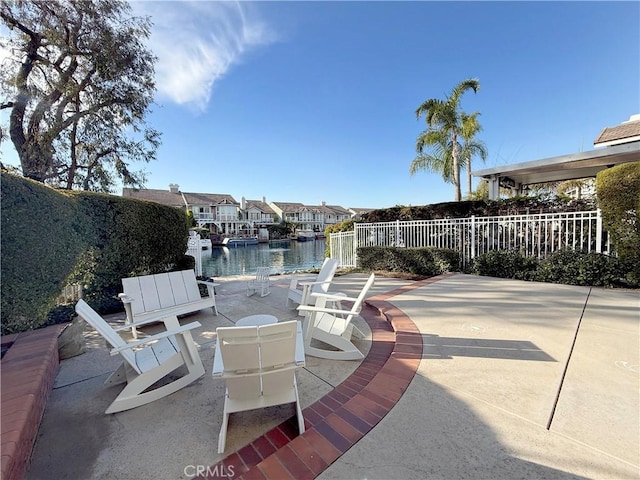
[(264, 199), (323, 203), (243, 203), (174, 187)]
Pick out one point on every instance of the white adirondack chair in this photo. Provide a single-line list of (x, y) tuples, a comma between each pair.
[(260, 283), (301, 288), (147, 361), (258, 366), (333, 326)]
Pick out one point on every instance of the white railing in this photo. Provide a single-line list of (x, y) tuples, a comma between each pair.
[(343, 247), (70, 294), (195, 250), (533, 235)]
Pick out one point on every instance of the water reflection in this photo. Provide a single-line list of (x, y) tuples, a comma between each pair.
[(282, 257)]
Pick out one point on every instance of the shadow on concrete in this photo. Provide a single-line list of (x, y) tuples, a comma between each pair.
[(436, 346)]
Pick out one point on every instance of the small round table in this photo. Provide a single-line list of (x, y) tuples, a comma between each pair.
[(256, 320)]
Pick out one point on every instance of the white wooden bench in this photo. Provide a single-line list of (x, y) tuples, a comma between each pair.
[(149, 298)]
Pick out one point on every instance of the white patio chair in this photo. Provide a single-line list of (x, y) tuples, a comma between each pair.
[(333, 326), (149, 360), (260, 283), (301, 288), (258, 366)]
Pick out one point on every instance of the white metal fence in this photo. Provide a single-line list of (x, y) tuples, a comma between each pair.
[(535, 235)]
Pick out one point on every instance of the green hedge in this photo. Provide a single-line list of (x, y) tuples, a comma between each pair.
[(51, 238), (563, 266), (505, 264), (479, 208), (419, 261), (42, 239), (618, 190)]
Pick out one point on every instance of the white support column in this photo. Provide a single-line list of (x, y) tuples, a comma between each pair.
[(494, 187)]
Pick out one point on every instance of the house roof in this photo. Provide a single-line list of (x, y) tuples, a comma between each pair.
[(360, 211), (260, 205), (289, 207), (178, 199), (338, 210), (165, 197), (210, 199), (625, 132)]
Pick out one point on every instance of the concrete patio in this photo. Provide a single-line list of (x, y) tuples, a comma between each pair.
[(486, 378)]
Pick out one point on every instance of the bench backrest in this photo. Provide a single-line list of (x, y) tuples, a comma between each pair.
[(258, 360), (162, 290), (327, 271)]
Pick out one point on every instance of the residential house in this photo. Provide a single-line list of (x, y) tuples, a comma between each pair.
[(338, 214), (257, 212), (357, 213), (218, 212), (305, 217), (223, 215)]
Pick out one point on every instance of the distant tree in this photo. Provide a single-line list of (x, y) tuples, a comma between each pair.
[(471, 147), (481, 192), (79, 82), (444, 127)]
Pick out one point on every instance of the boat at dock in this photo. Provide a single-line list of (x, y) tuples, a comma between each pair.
[(239, 241), (305, 236)]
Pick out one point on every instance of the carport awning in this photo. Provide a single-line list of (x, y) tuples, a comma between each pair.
[(565, 167)]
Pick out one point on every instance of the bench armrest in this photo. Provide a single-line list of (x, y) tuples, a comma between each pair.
[(334, 296), (160, 316), (210, 286), (295, 280), (125, 298), (334, 311), (314, 283), (158, 336)]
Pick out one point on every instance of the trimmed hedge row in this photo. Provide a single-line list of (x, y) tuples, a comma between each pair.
[(479, 208), (419, 261), (563, 266), (619, 199), (42, 238), (51, 238)]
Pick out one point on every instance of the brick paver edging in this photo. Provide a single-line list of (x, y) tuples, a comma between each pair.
[(28, 369), (342, 417)]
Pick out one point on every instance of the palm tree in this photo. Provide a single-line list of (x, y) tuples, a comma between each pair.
[(444, 126), (471, 146)]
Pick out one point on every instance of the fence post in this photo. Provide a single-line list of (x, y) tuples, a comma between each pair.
[(473, 237), (355, 246), (599, 231)]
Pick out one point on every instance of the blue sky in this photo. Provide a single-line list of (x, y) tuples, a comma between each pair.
[(315, 101)]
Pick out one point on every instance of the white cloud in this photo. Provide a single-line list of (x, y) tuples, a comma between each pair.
[(197, 42)]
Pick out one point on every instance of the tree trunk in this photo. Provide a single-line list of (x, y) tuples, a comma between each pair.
[(456, 169), (469, 192)]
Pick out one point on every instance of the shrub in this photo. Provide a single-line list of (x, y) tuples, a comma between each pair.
[(580, 268), (618, 190), (420, 261), (505, 264)]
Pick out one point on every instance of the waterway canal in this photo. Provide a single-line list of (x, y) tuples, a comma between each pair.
[(282, 257)]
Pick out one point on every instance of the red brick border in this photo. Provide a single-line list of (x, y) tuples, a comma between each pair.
[(342, 417), (29, 369)]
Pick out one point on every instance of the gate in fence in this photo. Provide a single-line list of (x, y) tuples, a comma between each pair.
[(536, 235)]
